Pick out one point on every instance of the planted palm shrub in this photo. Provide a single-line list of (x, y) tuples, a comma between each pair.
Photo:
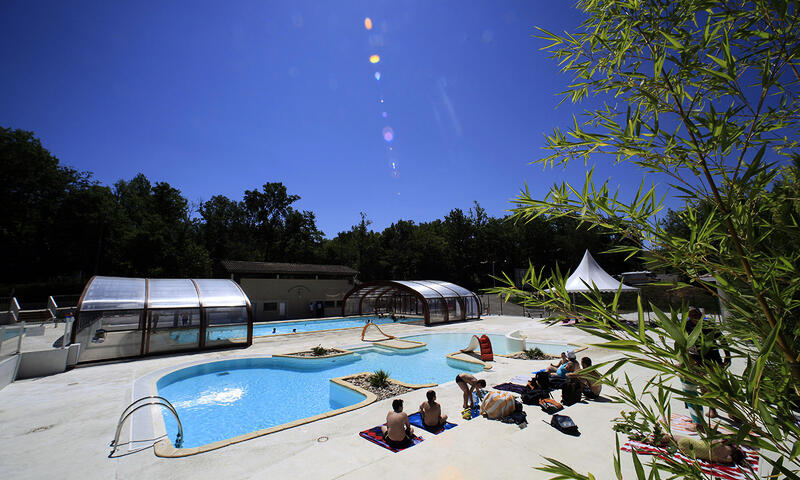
[(535, 353), (319, 351), (379, 379)]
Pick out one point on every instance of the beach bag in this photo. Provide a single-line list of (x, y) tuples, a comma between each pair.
[(497, 405), (564, 424), (532, 397), (571, 392), (550, 406), (543, 380)]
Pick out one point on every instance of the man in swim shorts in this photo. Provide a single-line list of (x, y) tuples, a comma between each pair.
[(397, 432), (431, 413), (468, 384)]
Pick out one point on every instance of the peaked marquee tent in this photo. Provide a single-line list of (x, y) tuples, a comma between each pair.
[(590, 272)]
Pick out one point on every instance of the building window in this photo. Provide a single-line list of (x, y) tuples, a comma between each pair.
[(271, 306), (329, 303)]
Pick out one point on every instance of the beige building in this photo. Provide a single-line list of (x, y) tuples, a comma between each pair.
[(280, 291)]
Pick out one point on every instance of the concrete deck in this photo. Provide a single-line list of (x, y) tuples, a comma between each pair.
[(60, 426)]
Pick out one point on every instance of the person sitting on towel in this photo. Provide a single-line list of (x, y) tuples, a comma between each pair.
[(468, 384), (431, 413), (567, 364), (590, 380), (397, 433)]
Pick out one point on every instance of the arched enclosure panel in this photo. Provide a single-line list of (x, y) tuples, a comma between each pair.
[(126, 317), (436, 301)]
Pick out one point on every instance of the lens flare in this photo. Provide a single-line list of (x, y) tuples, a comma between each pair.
[(384, 114), (378, 76), (374, 58), (388, 134), (368, 23)]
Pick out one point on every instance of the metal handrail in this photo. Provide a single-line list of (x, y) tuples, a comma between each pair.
[(154, 400)]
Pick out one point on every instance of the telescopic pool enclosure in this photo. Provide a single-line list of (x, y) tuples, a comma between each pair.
[(437, 302), (120, 317)]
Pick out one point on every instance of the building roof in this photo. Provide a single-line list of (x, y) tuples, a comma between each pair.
[(238, 266), (122, 293)]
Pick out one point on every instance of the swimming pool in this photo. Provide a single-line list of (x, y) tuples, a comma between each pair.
[(190, 336), (225, 399), (278, 328), (501, 345)]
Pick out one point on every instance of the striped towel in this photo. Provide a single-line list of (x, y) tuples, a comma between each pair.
[(725, 472), (497, 405), (683, 425)]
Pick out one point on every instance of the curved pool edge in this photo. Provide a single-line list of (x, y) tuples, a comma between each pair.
[(463, 357), (164, 448)]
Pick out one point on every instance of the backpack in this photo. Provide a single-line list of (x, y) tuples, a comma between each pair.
[(571, 392), (532, 397), (550, 406), (564, 424), (543, 380), (518, 416)]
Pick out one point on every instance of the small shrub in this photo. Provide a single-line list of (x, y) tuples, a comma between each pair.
[(535, 353), (319, 351), (379, 379)]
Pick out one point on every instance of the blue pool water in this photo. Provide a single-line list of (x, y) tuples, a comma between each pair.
[(263, 329), (224, 399), (280, 328)]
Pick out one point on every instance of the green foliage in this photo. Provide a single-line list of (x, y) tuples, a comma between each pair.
[(705, 95), (59, 227), (379, 379), (535, 353), (319, 351)]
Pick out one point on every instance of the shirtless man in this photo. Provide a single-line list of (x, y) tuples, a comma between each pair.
[(431, 412), (590, 381), (398, 431), (468, 384)]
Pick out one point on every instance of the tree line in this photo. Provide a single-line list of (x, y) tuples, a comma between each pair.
[(59, 226)]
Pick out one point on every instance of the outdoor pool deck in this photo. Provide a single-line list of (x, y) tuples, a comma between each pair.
[(60, 426)]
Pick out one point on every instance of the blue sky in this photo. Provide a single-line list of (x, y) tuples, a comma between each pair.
[(220, 97)]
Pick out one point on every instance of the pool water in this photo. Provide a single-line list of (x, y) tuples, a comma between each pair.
[(264, 329), (220, 400), (190, 336)]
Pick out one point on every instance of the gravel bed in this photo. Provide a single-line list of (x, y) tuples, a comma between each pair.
[(391, 390), (523, 356), (309, 353)]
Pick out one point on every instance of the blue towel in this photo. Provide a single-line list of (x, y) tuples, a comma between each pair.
[(416, 420)]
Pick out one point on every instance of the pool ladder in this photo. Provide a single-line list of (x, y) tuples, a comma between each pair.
[(150, 400)]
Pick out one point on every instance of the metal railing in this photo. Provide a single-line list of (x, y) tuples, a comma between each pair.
[(14, 309), (152, 400)]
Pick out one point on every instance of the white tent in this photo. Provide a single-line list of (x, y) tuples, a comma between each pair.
[(590, 272)]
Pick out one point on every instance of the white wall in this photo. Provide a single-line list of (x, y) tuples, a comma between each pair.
[(8, 370)]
